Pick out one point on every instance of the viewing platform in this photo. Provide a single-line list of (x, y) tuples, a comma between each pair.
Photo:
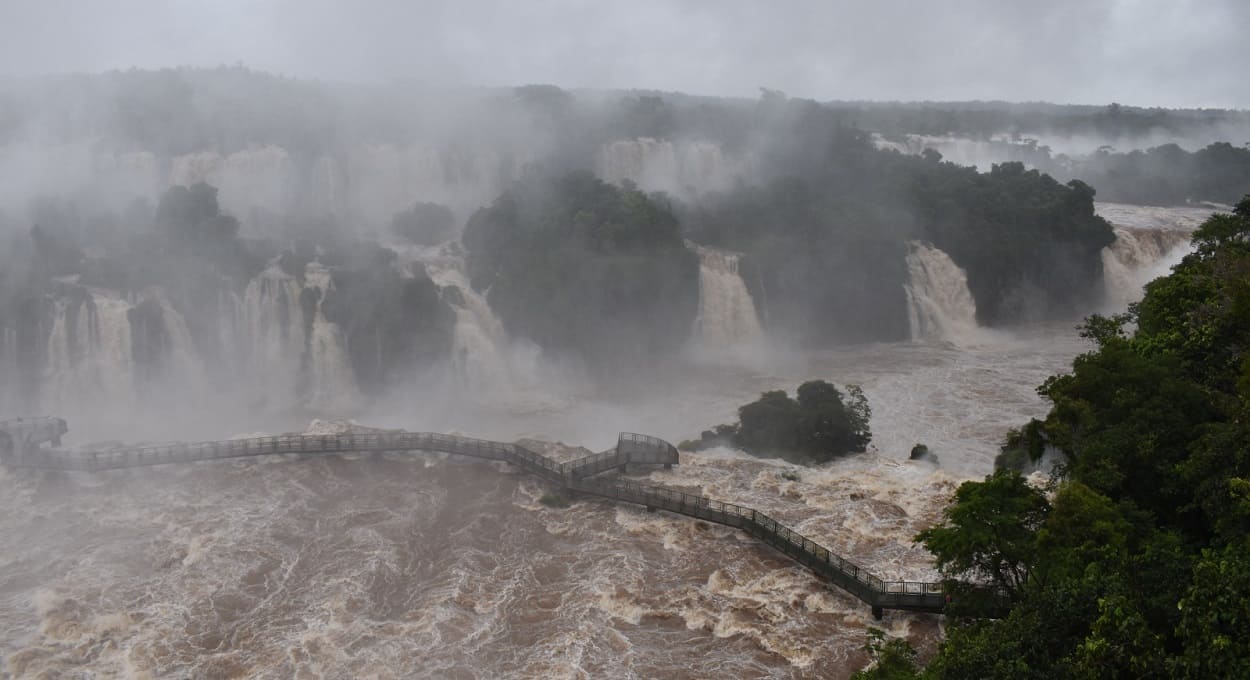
[(22, 440)]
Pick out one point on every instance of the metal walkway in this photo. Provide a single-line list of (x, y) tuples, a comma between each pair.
[(21, 447)]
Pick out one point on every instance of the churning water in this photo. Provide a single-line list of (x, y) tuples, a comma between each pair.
[(420, 566)]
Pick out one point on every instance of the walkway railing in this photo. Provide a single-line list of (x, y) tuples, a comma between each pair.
[(880, 594), (22, 433), (576, 476)]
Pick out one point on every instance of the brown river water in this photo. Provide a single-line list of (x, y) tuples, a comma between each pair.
[(399, 566)]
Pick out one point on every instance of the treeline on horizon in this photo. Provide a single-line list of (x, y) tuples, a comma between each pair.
[(1163, 175), (178, 111)]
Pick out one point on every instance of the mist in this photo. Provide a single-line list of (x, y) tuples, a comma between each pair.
[(199, 251), (544, 225), (1175, 54)]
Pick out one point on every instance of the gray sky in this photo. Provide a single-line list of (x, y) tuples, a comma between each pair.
[(1147, 52)]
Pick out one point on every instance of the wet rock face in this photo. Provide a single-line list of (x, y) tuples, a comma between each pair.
[(392, 324), (922, 452)]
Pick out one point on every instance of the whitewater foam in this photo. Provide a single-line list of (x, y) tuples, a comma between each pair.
[(1137, 257), (727, 319), (939, 304)]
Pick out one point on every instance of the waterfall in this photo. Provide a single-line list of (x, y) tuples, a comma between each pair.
[(685, 169), (383, 179), (651, 163), (191, 168), (727, 316), (332, 381), (1137, 257), (257, 178), (103, 351), (363, 183), (939, 304), (484, 360), (183, 363), (480, 347), (295, 354), (9, 397), (273, 324), (232, 344), (89, 356), (981, 153)]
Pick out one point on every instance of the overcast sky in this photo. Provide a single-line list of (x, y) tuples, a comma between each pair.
[(1146, 52)]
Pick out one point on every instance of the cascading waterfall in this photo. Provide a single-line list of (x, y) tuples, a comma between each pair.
[(90, 360), (1138, 256), (292, 350), (981, 153), (360, 183), (183, 357), (233, 345), (727, 316), (273, 325), (685, 169), (91, 352), (331, 378), (939, 304), (482, 356), (652, 163), (384, 179), (9, 401), (260, 178)]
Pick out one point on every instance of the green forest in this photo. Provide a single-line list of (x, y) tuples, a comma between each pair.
[(586, 268), (1134, 560), (825, 242), (1167, 174), (817, 425)]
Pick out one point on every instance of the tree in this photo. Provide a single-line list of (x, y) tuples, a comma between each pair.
[(393, 324), (1140, 566), (990, 532), (1215, 619), (818, 426), (1082, 526), (191, 215), (892, 658), (425, 224), (827, 425), (587, 269), (769, 424)]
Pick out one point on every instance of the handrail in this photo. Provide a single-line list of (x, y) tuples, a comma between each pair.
[(19, 434), (929, 595), (574, 475)]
